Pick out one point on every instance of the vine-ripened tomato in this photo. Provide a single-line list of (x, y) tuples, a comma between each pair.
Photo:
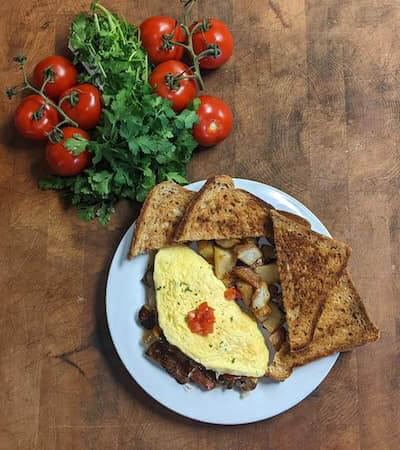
[(179, 91), (213, 34), (154, 33), (61, 160), (201, 320), (215, 123), (82, 103), (65, 75), (34, 119)]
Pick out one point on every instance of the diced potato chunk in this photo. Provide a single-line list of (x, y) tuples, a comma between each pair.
[(278, 338), (229, 279), (225, 261), (250, 240), (260, 297), (246, 291), (268, 253), (227, 243), (263, 313), (248, 253), (275, 320), (206, 250), (259, 302), (269, 273), (248, 275)]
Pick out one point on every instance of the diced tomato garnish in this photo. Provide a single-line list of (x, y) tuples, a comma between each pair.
[(202, 307), (232, 294), (195, 326), (207, 328), (201, 320)]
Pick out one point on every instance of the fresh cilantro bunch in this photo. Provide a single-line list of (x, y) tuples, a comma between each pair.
[(140, 140)]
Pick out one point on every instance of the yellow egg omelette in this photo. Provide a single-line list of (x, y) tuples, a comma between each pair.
[(183, 280)]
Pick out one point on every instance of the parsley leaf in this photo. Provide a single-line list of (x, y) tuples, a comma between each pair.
[(76, 144)]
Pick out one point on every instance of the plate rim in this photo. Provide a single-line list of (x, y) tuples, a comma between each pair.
[(196, 185)]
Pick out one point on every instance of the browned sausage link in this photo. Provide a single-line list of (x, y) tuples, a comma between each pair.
[(173, 362), (204, 378), (182, 368), (147, 317)]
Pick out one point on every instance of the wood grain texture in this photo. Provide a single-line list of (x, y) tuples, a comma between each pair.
[(314, 87)]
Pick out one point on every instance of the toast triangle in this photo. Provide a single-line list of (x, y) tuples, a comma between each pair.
[(344, 324), (310, 265), (219, 211), (160, 214)]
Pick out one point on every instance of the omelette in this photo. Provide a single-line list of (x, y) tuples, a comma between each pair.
[(183, 280)]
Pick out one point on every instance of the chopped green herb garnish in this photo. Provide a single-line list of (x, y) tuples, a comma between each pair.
[(187, 287)]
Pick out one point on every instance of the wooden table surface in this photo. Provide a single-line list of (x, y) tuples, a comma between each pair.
[(314, 86)]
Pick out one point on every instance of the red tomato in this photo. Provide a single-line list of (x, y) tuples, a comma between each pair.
[(65, 75), (215, 36), (154, 32), (34, 119), (61, 160), (215, 121), (201, 320), (179, 92), (83, 105), (231, 293)]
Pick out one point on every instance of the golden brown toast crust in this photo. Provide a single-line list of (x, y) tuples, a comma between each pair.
[(300, 220), (344, 324), (310, 265), (160, 213), (219, 211)]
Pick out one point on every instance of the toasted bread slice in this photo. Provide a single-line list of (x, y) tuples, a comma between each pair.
[(269, 229), (300, 220), (161, 212), (219, 211), (310, 266), (343, 325)]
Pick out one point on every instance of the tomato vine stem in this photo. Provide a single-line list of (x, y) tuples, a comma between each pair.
[(189, 47), (20, 60)]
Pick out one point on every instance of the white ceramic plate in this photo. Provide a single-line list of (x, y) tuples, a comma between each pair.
[(125, 295)]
